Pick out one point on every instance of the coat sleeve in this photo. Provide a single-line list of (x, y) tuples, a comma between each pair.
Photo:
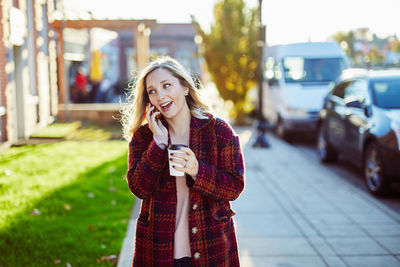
[(146, 161), (225, 181)]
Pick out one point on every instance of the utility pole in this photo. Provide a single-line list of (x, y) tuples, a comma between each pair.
[(261, 140)]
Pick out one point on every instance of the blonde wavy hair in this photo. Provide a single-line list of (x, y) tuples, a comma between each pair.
[(133, 111)]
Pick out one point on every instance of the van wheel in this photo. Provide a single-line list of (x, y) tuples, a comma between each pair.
[(377, 181), (281, 131)]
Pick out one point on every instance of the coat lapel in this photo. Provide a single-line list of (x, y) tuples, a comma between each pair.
[(200, 137)]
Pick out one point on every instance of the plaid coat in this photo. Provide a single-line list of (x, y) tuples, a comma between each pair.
[(220, 179)]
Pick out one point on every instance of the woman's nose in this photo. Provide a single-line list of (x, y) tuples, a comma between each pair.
[(161, 95)]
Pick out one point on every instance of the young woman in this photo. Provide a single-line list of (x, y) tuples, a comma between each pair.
[(184, 220)]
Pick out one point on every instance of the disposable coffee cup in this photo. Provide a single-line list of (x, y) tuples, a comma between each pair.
[(173, 148)]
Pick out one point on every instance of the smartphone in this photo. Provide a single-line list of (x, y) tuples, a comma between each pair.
[(156, 110)]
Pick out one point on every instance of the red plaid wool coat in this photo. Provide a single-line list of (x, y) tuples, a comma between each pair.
[(220, 179)]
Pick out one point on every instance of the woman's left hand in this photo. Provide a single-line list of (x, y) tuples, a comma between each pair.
[(191, 165)]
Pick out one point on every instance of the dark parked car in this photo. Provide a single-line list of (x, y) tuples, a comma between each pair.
[(361, 119)]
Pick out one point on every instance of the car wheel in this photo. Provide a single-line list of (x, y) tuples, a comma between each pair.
[(326, 152), (377, 181), (281, 131)]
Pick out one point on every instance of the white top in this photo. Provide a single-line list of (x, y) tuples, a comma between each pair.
[(181, 237), (181, 240)]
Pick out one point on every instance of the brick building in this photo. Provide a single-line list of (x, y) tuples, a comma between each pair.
[(28, 68)]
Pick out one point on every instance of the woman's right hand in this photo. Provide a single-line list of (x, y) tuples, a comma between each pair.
[(160, 132)]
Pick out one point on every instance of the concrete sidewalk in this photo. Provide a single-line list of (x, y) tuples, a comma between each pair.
[(296, 212), (126, 253)]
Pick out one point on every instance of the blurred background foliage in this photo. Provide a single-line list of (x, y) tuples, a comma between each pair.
[(231, 53), (365, 49)]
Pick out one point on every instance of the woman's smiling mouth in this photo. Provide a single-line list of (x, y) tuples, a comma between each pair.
[(166, 106)]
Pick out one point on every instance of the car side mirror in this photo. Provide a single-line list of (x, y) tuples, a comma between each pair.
[(368, 111)]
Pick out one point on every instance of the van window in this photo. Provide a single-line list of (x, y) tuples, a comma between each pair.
[(299, 69), (339, 89)]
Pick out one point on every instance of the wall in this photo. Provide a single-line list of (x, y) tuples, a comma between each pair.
[(28, 73)]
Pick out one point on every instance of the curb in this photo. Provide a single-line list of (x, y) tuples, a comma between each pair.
[(126, 253)]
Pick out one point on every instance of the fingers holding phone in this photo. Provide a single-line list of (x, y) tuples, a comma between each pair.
[(157, 112), (152, 113), (160, 133)]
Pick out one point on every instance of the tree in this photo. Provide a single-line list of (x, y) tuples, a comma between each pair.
[(346, 41), (375, 56), (231, 54), (396, 46)]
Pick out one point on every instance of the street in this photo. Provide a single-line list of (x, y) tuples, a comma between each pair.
[(297, 212), (348, 172)]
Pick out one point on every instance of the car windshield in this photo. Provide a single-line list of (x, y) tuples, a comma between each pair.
[(386, 92), (298, 69)]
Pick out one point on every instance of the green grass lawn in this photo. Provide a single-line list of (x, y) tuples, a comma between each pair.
[(66, 202), (58, 130)]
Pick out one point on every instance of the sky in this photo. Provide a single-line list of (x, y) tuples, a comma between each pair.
[(287, 21)]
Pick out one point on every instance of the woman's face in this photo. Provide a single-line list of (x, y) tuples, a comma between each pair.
[(166, 93)]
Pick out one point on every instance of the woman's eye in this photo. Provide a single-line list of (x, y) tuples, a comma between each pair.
[(166, 85), (150, 92)]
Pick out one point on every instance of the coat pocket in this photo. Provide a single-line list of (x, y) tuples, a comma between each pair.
[(223, 215), (223, 231), (141, 239)]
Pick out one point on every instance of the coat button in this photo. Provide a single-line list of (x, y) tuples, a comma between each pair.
[(197, 255), (195, 206), (194, 230)]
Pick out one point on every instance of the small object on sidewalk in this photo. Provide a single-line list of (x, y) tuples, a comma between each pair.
[(261, 140)]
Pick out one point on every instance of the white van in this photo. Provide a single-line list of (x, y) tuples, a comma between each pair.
[(298, 77)]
